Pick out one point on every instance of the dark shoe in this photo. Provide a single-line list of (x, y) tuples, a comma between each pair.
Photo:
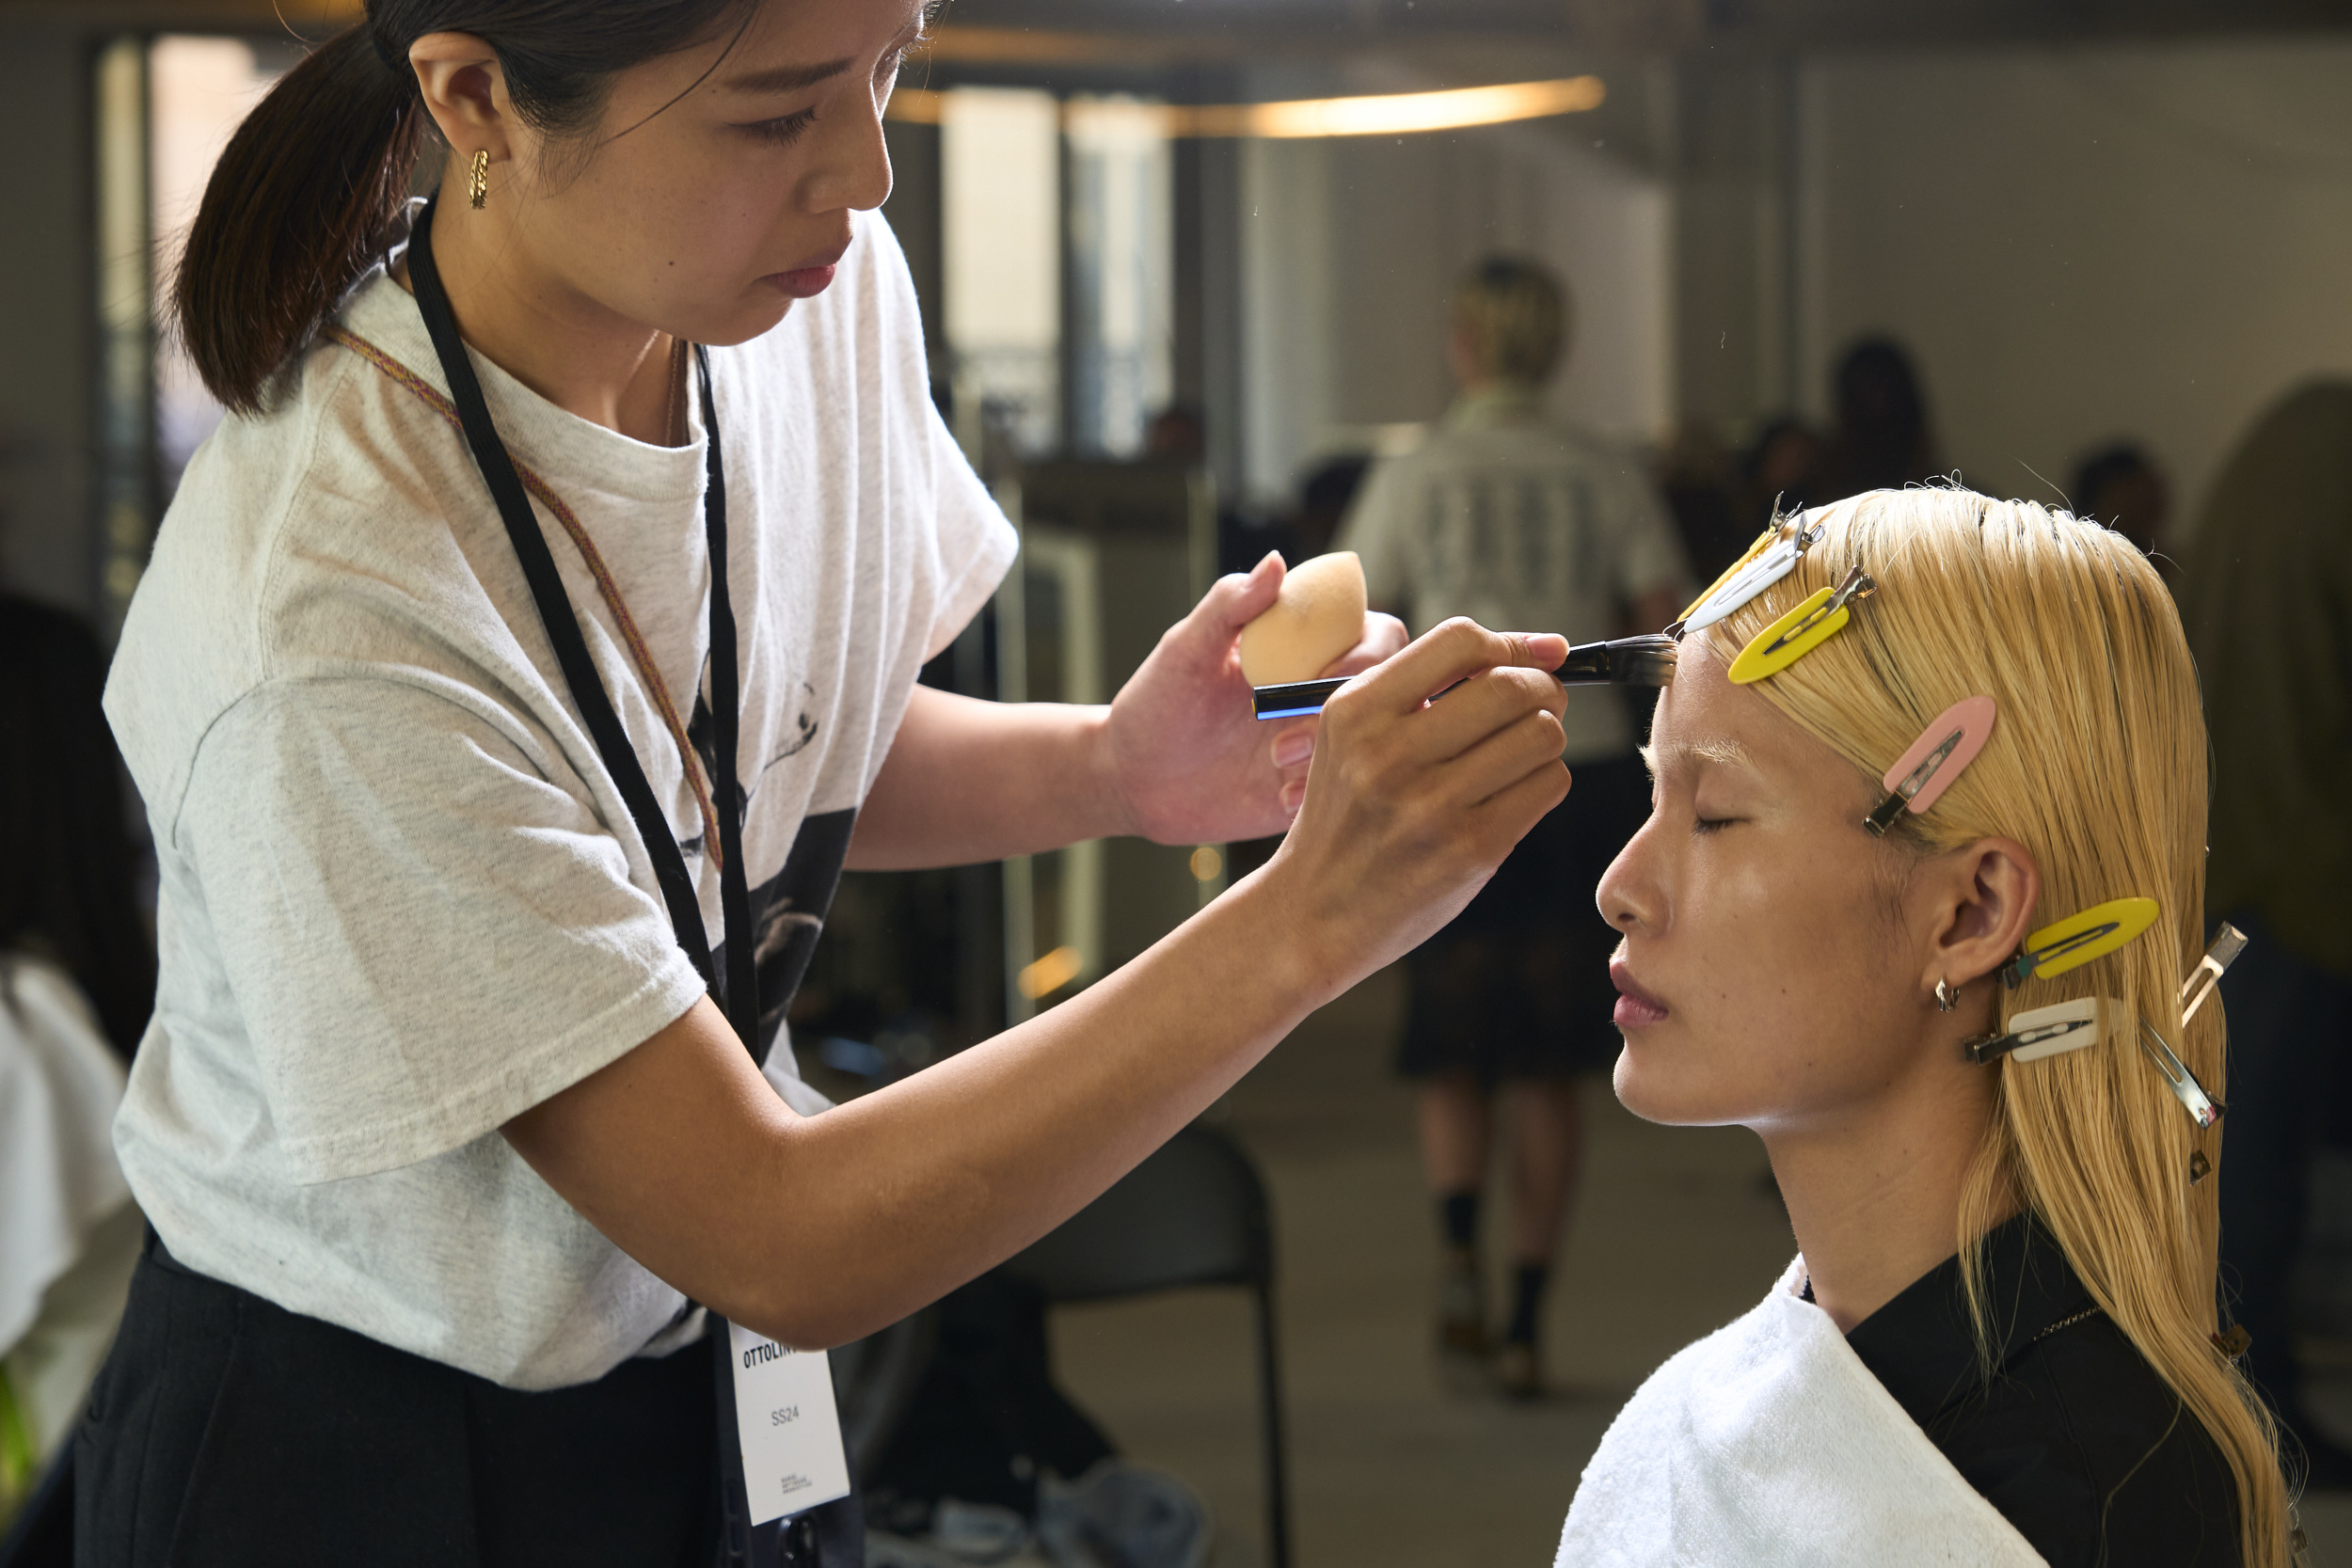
[(1518, 1373), (1461, 1306)]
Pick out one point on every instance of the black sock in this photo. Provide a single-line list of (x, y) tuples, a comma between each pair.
[(1458, 1220), (1527, 1300)]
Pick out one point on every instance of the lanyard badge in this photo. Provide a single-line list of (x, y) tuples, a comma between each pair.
[(786, 1428), (795, 1461)]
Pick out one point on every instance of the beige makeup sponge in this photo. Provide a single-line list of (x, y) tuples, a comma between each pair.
[(1319, 616)]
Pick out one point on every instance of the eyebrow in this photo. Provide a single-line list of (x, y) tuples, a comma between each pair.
[(1723, 754), (786, 78)]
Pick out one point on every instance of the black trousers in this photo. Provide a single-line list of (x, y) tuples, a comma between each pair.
[(223, 1431)]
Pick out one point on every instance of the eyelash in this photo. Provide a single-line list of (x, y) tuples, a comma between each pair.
[(1704, 825), (783, 132)]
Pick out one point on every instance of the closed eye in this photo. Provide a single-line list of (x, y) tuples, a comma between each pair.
[(1711, 824)]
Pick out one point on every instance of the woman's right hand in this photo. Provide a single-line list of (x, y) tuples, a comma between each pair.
[(815, 1230), (1412, 804)]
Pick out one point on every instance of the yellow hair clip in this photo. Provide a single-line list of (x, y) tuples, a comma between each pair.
[(2080, 937), (1821, 616)]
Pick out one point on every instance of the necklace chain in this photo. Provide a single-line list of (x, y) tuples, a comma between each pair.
[(2064, 1322), (675, 428)]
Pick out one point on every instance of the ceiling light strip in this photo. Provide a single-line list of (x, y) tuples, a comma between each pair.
[(1375, 114)]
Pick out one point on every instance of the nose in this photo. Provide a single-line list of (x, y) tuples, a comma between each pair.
[(1628, 896), (864, 176)]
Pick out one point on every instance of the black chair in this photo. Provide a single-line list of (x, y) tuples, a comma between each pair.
[(1195, 1212)]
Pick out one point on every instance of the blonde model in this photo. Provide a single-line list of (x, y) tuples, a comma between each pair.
[(1919, 902)]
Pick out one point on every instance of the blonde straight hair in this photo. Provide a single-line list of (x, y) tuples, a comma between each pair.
[(2097, 765)]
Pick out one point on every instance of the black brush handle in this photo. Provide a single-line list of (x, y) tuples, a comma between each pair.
[(1626, 662)]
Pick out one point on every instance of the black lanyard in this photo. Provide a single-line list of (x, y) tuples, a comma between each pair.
[(738, 990)]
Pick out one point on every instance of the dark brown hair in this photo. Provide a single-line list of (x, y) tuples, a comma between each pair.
[(308, 195)]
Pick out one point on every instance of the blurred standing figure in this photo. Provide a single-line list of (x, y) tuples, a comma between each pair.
[(1780, 473), (2267, 599), (1507, 517), (76, 984), (2118, 485), (1882, 442), (1694, 474)]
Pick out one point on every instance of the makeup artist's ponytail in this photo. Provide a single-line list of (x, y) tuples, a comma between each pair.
[(309, 193), (298, 207)]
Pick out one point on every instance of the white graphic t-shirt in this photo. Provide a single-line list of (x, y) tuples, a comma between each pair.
[(1521, 524), (402, 899)]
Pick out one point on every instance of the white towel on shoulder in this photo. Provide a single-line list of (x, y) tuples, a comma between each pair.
[(1769, 1443)]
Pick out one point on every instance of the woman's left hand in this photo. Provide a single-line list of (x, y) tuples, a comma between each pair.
[(1184, 754)]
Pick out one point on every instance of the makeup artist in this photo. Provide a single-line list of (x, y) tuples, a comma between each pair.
[(518, 668)]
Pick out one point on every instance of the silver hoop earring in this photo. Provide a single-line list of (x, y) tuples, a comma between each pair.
[(1945, 998)]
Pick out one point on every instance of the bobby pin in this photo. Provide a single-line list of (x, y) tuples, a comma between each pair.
[(2203, 1108), (2228, 942)]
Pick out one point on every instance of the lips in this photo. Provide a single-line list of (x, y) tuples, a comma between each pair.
[(810, 278), (1636, 1008)]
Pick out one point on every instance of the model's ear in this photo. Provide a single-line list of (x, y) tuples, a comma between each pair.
[(464, 88), (1986, 895)]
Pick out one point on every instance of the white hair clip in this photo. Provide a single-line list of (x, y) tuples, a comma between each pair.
[(1772, 556), (2040, 1032)]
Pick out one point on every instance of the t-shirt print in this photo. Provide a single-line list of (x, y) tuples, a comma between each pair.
[(788, 910)]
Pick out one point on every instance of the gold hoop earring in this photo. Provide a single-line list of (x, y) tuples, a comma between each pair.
[(478, 186), (1945, 998)]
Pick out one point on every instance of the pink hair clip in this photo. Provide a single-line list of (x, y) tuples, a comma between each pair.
[(1922, 774)]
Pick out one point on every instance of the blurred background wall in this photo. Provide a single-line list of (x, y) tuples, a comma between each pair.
[(2086, 220), (2082, 241)]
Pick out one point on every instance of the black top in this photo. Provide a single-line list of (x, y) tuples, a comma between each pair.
[(2075, 1438)]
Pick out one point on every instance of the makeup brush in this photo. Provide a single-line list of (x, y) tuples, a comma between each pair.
[(1646, 660)]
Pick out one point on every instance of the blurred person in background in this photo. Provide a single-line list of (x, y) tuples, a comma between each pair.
[(1509, 517), (1178, 434), (1780, 472), (1883, 441), (2119, 486), (1695, 476), (2267, 600), (77, 980), (1323, 498)]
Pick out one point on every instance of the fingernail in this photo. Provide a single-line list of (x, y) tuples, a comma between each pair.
[(1293, 794), (1293, 748)]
